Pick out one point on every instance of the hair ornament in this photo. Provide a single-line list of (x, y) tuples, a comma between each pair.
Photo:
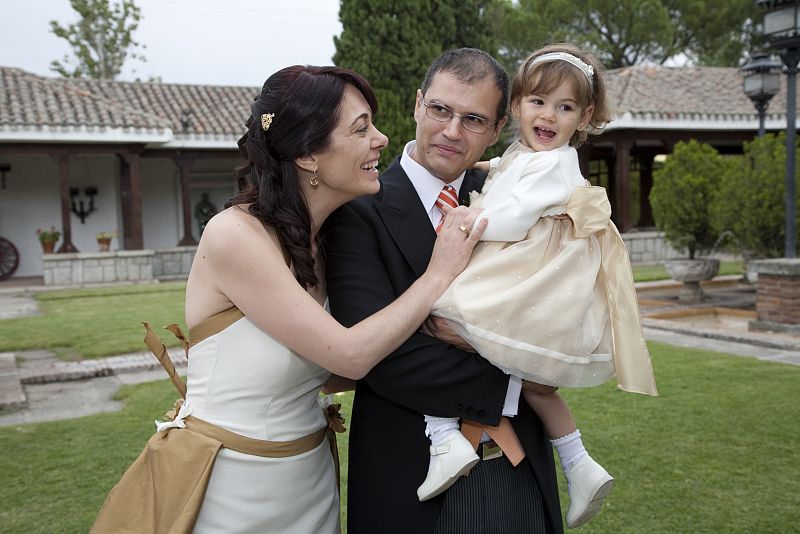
[(569, 58), (266, 120)]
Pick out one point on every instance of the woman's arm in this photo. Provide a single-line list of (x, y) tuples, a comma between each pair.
[(249, 269)]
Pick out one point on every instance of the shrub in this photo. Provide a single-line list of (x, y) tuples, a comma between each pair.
[(683, 193), (751, 202)]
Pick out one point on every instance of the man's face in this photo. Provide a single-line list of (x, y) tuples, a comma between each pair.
[(447, 149)]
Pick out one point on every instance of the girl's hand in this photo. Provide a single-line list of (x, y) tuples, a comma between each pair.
[(483, 166), (455, 242)]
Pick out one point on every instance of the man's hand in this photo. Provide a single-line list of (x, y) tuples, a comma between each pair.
[(336, 383), (440, 329)]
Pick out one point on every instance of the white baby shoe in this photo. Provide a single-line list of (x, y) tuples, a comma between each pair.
[(588, 485), (452, 458)]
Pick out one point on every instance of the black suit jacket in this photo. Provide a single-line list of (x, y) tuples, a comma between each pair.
[(375, 248)]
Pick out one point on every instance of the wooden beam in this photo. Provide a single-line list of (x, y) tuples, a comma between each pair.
[(63, 160), (622, 206), (185, 163), (131, 196)]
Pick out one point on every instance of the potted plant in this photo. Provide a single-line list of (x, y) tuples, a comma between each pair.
[(684, 191), (104, 240), (48, 238)]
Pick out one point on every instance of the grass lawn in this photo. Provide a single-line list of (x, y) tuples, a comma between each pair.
[(89, 323), (716, 452), (657, 271)]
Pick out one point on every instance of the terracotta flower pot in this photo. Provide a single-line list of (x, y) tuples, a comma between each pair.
[(104, 244), (48, 246)]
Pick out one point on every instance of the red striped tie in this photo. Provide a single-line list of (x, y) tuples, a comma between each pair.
[(447, 196)]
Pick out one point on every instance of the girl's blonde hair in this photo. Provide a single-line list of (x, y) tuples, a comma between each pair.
[(542, 78)]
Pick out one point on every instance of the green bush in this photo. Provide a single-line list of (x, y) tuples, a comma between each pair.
[(683, 192), (751, 204)]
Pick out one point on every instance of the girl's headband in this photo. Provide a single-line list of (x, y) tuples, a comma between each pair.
[(569, 58)]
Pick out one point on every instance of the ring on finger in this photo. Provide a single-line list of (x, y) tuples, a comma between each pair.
[(464, 229)]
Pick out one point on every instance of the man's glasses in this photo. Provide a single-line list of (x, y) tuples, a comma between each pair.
[(473, 123)]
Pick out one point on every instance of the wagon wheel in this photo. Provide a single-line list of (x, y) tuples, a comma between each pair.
[(9, 258)]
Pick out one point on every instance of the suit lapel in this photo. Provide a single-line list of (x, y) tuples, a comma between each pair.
[(406, 221), (473, 181), (405, 218)]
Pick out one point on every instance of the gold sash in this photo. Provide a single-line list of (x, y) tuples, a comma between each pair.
[(589, 209)]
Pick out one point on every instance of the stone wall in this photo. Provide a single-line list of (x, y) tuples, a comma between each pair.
[(173, 263), (98, 267), (649, 247), (82, 268)]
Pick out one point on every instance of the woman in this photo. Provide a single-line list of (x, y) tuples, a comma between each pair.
[(262, 342)]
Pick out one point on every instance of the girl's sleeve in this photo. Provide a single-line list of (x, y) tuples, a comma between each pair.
[(520, 193)]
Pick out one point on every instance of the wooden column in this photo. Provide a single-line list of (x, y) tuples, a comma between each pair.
[(185, 165), (583, 160), (623, 185), (645, 185), (131, 195), (63, 160)]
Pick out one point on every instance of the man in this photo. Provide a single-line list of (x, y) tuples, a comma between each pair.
[(375, 248)]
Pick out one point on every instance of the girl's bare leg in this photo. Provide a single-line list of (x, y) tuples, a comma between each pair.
[(551, 409), (588, 483)]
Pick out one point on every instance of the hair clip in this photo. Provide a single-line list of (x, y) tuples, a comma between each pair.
[(266, 120), (587, 69)]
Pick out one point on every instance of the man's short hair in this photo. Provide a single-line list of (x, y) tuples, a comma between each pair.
[(471, 65)]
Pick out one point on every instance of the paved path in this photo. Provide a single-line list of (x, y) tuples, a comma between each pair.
[(49, 389)]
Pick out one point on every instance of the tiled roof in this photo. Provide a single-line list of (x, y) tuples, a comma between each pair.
[(205, 115), (78, 110), (191, 110), (30, 102), (686, 95)]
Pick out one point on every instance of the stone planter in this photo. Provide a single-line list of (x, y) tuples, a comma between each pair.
[(691, 273)]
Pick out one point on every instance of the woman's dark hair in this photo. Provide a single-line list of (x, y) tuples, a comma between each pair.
[(305, 105)]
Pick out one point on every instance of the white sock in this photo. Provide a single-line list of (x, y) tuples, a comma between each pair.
[(438, 428), (570, 449)]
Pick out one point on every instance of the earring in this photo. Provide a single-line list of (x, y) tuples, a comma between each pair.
[(313, 180)]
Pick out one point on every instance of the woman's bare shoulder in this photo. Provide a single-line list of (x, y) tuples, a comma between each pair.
[(235, 226)]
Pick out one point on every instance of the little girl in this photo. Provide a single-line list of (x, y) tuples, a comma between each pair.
[(548, 296)]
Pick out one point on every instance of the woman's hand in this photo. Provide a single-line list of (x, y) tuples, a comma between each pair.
[(455, 242), (439, 328)]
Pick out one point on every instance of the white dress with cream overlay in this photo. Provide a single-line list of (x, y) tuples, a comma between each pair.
[(550, 300)]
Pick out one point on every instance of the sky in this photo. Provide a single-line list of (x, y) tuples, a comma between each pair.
[(214, 42)]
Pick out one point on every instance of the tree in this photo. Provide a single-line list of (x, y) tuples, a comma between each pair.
[(752, 206), (630, 32), (101, 40), (392, 44), (683, 196)]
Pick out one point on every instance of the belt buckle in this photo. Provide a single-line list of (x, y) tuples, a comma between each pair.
[(490, 450)]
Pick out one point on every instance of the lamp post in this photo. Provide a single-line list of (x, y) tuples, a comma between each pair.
[(762, 80), (782, 32)]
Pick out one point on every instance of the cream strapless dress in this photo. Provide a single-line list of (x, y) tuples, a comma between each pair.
[(243, 380)]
